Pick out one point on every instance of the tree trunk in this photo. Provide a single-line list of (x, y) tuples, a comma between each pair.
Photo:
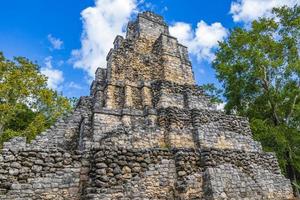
[(1, 129), (296, 189), (292, 174)]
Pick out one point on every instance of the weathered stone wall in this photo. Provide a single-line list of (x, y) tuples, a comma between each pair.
[(147, 25), (153, 173), (215, 129), (39, 174), (169, 94), (154, 94), (149, 53), (176, 65), (66, 131), (232, 174), (172, 127), (119, 173)]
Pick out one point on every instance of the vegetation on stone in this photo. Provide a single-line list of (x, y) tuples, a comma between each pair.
[(260, 70)]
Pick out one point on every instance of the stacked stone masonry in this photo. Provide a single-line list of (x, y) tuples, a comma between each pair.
[(145, 132)]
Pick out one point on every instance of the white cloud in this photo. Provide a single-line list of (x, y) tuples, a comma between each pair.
[(55, 76), (56, 43), (101, 24), (73, 85), (202, 41), (249, 10)]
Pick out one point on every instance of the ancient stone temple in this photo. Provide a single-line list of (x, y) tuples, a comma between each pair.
[(145, 132)]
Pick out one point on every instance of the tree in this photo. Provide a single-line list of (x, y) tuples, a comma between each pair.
[(27, 106), (260, 71), (213, 92)]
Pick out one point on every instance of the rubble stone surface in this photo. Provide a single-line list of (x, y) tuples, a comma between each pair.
[(145, 132)]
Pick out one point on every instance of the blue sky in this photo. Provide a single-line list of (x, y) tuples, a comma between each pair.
[(57, 34)]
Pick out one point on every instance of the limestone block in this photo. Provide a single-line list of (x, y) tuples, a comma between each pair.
[(147, 97), (110, 97), (128, 97)]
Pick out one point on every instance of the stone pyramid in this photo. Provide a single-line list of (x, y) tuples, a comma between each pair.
[(145, 132)]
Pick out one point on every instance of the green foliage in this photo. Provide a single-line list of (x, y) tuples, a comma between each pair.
[(27, 106), (283, 140), (296, 185), (260, 71), (213, 92)]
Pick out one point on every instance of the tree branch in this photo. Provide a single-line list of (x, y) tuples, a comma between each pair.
[(292, 109), (266, 86)]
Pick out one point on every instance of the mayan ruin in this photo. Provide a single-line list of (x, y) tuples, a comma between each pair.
[(146, 131)]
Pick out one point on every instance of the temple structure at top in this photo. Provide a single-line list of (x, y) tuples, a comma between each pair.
[(149, 53)]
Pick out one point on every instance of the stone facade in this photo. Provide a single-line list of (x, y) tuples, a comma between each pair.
[(145, 132)]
